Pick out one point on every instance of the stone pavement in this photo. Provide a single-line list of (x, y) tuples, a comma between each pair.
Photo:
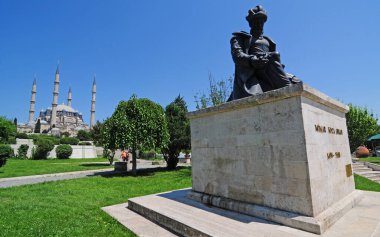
[(180, 212), (33, 179), (362, 169)]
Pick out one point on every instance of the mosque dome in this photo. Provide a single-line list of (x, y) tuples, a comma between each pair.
[(63, 107)]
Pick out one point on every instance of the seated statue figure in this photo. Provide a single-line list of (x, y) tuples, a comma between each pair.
[(257, 63)]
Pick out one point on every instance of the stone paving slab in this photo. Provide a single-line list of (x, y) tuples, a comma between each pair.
[(363, 220), (136, 223), (33, 179)]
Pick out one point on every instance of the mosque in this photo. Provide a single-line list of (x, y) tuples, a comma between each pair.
[(60, 117)]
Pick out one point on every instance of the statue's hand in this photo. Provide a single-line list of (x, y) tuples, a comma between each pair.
[(258, 63)]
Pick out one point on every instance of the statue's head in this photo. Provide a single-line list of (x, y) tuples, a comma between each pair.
[(256, 18)]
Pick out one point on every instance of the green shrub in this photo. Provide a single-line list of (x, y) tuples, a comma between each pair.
[(7, 131), (37, 137), (22, 151), (63, 151), (83, 135), (65, 134), (85, 143), (69, 140), (22, 135), (44, 146), (147, 155), (6, 152)]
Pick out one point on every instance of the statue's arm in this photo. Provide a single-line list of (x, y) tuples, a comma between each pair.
[(238, 54)]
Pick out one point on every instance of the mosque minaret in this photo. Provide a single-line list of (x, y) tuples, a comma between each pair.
[(32, 102)]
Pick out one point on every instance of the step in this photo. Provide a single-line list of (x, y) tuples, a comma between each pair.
[(362, 169), (368, 172), (376, 179), (369, 176)]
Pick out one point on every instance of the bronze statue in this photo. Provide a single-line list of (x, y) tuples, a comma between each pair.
[(257, 63)]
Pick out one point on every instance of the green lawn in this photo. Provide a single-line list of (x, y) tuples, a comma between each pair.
[(72, 207), (375, 160), (366, 184), (15, 168)]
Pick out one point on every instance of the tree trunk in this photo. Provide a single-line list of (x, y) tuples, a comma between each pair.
[(134, 162)]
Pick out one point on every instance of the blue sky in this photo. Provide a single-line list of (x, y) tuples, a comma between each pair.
[(159, 49)]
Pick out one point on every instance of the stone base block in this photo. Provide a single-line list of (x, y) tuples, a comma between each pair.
[(183, 216), (121, 166), (318, 224)]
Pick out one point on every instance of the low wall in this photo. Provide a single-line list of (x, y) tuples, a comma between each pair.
[(79, 152)]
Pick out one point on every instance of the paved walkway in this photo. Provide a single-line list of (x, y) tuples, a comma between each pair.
[(362, 169), (180, 212), (33, 179)]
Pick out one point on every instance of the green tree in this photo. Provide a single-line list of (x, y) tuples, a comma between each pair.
[(7, 130), (218, 93), (361, 124), (136, 124), (108, 139), (37, 128), (83, 135), (95, 133), (5, 152), (179, 131)]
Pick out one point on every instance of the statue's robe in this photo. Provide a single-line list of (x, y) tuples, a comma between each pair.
[(249, 81)]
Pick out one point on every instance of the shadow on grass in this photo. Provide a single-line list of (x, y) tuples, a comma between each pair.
[(95, 165), (140, 172)]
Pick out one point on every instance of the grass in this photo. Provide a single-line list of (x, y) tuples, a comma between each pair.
[(366, 184), (72, 207), (375, 160), (15, 168)]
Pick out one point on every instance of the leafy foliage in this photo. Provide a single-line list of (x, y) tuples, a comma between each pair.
[(361, 124), (37, 128), (95, 133), (219, 91), (63, 151), (22, 135), (69, 140), (179, 131), (6, 152), (37, 137), (22, 151), (65, 134), (136, 124), (7, 130), (83, 135), (44, 146)]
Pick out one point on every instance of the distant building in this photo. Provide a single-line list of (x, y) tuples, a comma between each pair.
[(58, 118)]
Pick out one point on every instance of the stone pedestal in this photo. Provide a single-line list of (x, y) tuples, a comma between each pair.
[(285, 152), (121, 166)]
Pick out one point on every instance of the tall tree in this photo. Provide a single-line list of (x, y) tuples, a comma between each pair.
[(361, 124), (95, 133), (7, 130), (136, 124), (218, 93), (179, 131), (37, 128)]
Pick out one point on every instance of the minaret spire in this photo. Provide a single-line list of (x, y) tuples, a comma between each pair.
[(93, 100), (32, 101), (55, 99), (69, 98)]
